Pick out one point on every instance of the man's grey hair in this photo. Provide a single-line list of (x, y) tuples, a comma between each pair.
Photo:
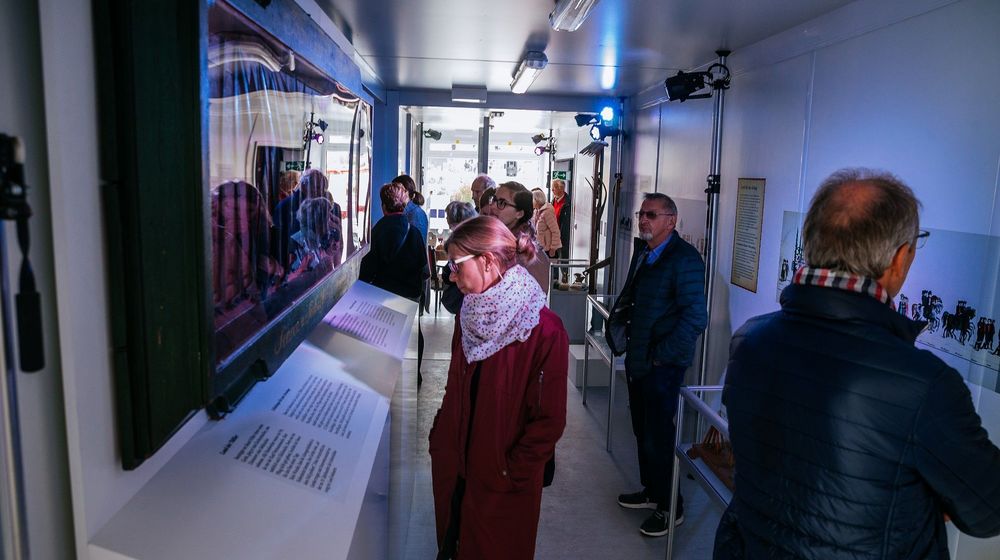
[(539, 196), (859, 230), (457, 212), (487, 181), (666, 201)]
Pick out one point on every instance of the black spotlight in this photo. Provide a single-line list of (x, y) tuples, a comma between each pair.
[(321, 124), (432, 134), (600, 131), (684, 84), (583, 119), (539, 138)]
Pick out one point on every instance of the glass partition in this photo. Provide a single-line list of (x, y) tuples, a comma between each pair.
[(289, 163)]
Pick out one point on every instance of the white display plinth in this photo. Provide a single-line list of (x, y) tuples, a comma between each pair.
[(597, 371), (285, 474)]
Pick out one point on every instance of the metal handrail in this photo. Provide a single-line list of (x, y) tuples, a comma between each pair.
[(702, 408), (593, 299), (687, 395)]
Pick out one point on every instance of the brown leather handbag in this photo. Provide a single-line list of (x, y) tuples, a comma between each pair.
[(717, 453)]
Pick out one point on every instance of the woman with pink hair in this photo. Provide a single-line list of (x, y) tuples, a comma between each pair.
[(504, 406)]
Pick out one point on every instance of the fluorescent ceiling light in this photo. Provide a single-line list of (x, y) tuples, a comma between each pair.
[(468, 94), (569, 15), (527, 70)]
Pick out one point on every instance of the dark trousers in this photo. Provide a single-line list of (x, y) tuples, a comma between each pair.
[(653, 403)]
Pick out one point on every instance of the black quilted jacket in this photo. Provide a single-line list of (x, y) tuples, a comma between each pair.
[(849, 442), (664, 306)]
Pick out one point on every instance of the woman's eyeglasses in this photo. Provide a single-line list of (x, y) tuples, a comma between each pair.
[(650, 215), (500, 203), (453, 263), (921, 239)]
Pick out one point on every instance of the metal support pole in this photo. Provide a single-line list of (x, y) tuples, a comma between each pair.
[(12, 504), (548, 179), (675, 478), (409, 145), (417, 173), (712, 227), (611, 288), (586, 366), (484, 146), (611, 398)]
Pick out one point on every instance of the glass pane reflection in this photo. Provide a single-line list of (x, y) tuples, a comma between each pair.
[(289, 159)]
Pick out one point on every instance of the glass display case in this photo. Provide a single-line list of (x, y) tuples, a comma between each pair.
[(236, 162)]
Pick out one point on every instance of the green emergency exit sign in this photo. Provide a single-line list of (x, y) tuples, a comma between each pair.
[(564, 175)]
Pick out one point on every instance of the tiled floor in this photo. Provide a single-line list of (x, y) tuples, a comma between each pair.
[(580, 518)]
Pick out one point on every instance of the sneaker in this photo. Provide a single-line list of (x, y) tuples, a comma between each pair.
[(656, 525), (636, 500)]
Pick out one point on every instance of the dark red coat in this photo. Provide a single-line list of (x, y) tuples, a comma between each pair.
[(520, 415)]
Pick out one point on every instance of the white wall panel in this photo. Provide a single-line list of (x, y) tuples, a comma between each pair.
[(913, 94), (685, 148), (763, 136), (917, 98)]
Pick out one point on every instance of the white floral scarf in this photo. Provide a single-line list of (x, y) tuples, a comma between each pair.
[(502, 314)]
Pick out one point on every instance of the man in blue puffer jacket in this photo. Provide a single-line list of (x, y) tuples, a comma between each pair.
[(660, 313), (849, 442)]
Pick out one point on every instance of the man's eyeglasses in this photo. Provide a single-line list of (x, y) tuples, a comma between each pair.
[(453, 263), (652, 215), (500, 203), (921, 239)]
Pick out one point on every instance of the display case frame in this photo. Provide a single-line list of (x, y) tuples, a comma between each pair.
[(153, 98)]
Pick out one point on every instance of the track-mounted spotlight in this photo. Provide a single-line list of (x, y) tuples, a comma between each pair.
[(683, 85)]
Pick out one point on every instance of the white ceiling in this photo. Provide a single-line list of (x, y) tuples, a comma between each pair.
[(623, 47)]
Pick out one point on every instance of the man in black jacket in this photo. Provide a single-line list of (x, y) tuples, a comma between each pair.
[(849, 442), (660, 311)]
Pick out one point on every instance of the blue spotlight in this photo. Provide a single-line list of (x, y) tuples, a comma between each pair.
[(607, 114)]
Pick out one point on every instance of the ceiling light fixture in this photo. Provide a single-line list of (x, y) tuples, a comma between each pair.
[(527, 70), (569, 15), (468, 94)]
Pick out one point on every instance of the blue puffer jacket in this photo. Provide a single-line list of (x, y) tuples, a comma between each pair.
[(664, 305), (849, 442)]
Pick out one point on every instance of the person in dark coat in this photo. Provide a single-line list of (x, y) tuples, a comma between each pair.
[(397, 260), (413, 211), (451, 297), (848, 441), (563, 208), (504, 406), (658, 316)]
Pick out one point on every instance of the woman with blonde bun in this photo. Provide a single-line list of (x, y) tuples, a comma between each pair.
[(504, 406)]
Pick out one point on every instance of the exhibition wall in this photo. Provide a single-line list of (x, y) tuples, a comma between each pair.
[(49, 532), (898, 86)]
